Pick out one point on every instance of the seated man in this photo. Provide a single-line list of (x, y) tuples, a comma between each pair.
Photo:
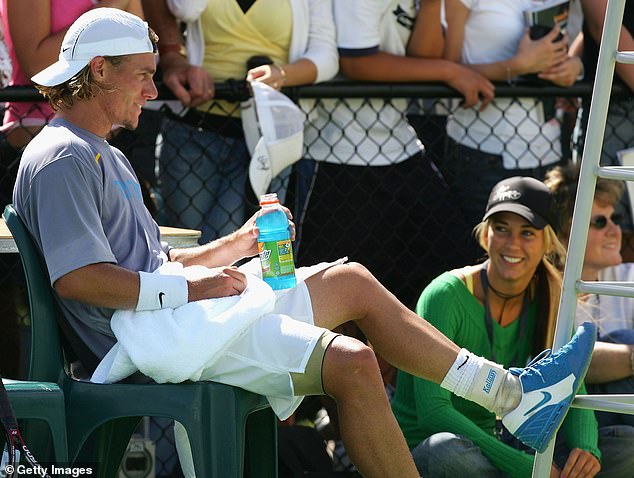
[(81, 201)]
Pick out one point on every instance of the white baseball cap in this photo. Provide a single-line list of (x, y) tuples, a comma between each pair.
[(98, 32), (274, 131)]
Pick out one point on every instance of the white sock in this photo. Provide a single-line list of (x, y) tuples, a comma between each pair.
[(483, 382)]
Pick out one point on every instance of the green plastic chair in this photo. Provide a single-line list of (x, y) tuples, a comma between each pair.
[(40, 401), (225, 424)]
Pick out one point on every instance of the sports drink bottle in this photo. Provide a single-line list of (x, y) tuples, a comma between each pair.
[(274, 244)]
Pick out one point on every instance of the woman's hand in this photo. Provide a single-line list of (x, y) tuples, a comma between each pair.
[(535, 56), (563, 74), (272, 75), (581, 464)]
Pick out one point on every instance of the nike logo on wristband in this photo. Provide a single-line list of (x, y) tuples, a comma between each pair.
[(463, 363), (161, 294)]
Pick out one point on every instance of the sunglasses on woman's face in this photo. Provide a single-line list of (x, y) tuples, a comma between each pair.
[(600, 221)]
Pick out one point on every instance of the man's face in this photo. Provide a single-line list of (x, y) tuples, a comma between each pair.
[(133, 86)]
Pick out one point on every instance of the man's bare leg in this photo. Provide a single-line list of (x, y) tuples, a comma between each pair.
[(350, 292), (369, 430), (351, 373), (407, 341)]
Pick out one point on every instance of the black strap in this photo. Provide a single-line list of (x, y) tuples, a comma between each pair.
[(219, 124), (488, 318)]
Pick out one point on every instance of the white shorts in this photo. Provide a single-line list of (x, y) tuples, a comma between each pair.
[(277, 344)]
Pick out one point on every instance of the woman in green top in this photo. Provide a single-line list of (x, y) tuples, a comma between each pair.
[(504, 310)]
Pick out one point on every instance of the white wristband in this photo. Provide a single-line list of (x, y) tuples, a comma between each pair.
[(161, 292)]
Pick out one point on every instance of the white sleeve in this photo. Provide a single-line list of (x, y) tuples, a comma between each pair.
[(321, 48), (358, 24), (187, 10)]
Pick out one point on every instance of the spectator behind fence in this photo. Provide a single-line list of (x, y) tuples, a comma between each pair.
[(76, 193), (428, 116), (505, 309), (375, 195), (512, 136), (612, 366), (204, 158), (33, 41), (618, 138)]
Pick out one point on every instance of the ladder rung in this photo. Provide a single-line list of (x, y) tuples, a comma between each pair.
[(606, 403), (622, 173), (626, 57), (622, 289)]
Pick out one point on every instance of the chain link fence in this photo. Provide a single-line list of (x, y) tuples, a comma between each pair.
[(193, 171)]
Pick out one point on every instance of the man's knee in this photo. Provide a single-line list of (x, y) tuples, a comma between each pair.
[(361, 273), (353, 272), (349, 365)]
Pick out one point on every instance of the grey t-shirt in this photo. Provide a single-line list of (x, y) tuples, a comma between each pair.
[(82, 202)]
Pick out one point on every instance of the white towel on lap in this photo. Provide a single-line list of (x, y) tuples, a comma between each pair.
[(174, 345)]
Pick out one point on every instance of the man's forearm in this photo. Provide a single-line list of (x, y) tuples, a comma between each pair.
[(101, 285), (220, 252)]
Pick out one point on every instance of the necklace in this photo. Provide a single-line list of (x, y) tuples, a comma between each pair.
[(505, 299), (502, 295), (488, 319), (486, 285)]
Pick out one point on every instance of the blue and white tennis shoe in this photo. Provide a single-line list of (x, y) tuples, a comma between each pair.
[(549, 385)]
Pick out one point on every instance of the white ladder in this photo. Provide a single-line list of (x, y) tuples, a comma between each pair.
[(590, 170)]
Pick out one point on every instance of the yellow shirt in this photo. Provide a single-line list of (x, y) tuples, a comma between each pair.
[(232, 37)]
